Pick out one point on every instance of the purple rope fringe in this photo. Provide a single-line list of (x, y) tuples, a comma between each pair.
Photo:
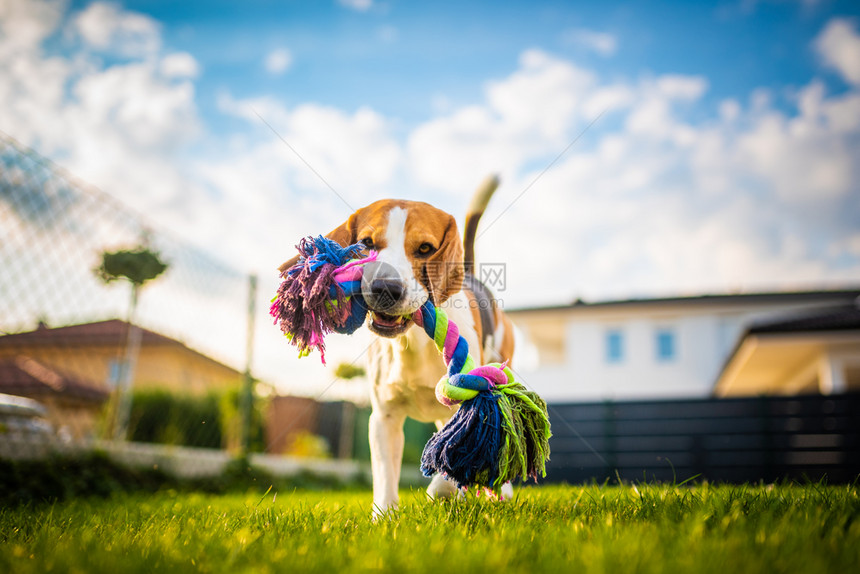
[(310, 303)]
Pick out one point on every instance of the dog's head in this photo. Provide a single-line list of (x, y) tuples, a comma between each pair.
[(420, 258)]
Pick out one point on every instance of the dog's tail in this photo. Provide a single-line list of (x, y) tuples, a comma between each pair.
[(476, 209)]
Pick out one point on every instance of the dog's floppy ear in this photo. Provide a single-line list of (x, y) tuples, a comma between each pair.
[(343, 234), (445, 268)]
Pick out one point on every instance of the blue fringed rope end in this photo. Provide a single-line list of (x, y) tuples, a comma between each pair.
[(318, 251), (497, 437), (467, 448)]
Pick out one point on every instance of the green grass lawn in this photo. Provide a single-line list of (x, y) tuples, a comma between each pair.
[(722, 529)]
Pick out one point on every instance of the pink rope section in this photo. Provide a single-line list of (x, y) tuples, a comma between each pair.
[(418, 319), (451, 340), (353, 270), (495, 375)]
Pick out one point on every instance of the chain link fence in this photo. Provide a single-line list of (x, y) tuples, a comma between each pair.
[(83, 359)]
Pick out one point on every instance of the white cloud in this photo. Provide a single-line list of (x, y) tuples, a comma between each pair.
[(849, 245), (808, 156), (839, 47), (650, 202), (729, 110), (119, 127), (179, 65), (357, 5), (749, 199), (354, 153), (32, 86), (607, 99), (25, 24), (557, 85), (602, 43), (267, 194), (678, 87), (653, 112), (278, 61), (107, 27), (527, 115)]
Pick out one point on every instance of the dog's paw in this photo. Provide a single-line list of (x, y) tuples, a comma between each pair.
[(382, 512), (441, 487), (504, 493)]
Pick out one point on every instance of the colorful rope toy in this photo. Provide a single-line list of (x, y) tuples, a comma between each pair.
[(500, 432)]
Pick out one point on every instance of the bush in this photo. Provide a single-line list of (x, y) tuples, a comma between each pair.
[(62, 478), (166, 418), (209, 421)]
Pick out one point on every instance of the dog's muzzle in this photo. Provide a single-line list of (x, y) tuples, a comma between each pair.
[(385, 293)]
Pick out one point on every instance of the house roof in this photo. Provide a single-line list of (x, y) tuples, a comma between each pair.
[(844, 296), (840, 319), (102, 333), (27, 377), (88, 334)]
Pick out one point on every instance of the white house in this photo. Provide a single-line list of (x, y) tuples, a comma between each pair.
[(815, 352), (674, 347)]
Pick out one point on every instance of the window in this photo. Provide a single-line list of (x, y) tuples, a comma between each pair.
[(614, 346), (114, 372), (665, 345)]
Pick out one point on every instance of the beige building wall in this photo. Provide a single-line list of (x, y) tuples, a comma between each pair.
[(171, 367)]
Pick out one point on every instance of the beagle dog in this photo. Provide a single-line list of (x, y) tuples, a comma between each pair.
[(420, 256)]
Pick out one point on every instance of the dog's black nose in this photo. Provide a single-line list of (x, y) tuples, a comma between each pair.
[(386, 293)]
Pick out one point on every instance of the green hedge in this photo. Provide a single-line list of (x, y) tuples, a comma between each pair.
[(65, 477), (209, 421), (59, 478)]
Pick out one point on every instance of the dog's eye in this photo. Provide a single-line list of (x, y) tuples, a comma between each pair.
[(426, 249), (368, 242)]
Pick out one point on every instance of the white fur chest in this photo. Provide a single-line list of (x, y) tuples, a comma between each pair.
[(403, 371)]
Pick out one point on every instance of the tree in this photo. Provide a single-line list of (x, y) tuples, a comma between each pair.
[(138, 266), (348, 371)]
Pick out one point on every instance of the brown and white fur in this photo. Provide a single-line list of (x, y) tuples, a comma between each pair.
[(421, 256)]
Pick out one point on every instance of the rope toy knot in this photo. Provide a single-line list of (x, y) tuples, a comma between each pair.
[(500, 431), (461, 387)]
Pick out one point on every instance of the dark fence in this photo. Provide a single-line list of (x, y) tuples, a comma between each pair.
[(721, 440)]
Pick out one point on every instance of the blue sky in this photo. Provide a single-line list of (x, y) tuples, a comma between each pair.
[(725, 156), (398, 56)]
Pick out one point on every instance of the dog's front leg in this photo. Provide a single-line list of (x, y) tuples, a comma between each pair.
[(386, 454)]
